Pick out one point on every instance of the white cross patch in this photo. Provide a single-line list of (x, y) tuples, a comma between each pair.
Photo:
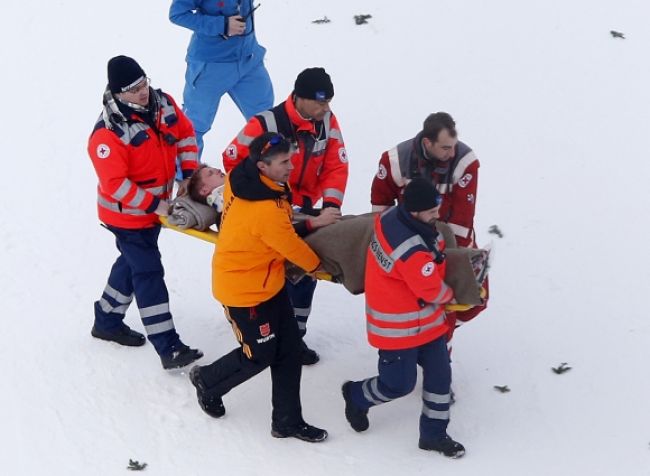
[(427, 269), (103, 151)]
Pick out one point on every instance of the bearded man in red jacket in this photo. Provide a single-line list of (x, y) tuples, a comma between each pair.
[(405, 313)]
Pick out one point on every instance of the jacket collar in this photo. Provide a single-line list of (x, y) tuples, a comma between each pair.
[(427, 232), (247, 183), (425, 166), (299, 122), (116, 113)]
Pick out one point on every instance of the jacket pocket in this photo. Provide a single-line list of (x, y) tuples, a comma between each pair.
[(194, 70)]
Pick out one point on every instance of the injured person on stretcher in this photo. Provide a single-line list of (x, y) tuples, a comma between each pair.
[(340, 242)]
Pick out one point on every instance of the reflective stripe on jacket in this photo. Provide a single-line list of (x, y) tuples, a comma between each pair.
[(320, 160), (135, 164), (457, 183), (405, 291)]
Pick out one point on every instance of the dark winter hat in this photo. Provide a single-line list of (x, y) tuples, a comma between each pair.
[(420, 194), (123, 74), (314, 83)]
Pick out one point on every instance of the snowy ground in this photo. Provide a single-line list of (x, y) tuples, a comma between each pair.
[(557, 111)]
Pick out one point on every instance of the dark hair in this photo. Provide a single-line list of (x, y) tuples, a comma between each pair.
[(195, 184), (267, 146), (436, 122)]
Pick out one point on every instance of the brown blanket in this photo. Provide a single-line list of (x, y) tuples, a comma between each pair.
[(342, 248)]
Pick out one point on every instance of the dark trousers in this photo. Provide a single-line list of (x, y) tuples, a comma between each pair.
[(268, 337), (301, 295), (397, 377), (138, 271)]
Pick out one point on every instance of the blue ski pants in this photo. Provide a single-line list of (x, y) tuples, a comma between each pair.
[(246, 81)]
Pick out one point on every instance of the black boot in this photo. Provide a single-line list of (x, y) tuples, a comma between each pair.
[(357, 417), (180, 356), (123, 336), (302, 431), (309, 356), (444, 445), (212, 405)]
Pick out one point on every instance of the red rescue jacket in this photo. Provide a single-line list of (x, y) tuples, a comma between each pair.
[(320, 160), (405, 291), (136, 163), (456, 180)]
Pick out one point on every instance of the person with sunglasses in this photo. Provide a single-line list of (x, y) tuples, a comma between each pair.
[(437, 155), (405, 314), (223, 57), (134, 146), (320, 164), (248, 278)]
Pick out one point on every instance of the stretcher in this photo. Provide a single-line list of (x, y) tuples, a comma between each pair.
[(211, 235)]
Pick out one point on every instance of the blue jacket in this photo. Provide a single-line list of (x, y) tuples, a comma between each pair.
[(209, 22)]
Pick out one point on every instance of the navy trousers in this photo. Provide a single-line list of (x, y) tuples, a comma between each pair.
[(138, 272), (397, 377), (301, 295)]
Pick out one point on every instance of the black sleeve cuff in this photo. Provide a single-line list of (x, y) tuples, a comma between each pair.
[(301, 228), (154, 204), (331, 204)]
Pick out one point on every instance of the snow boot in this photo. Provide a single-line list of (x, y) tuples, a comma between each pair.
[(444, 445), (308, 356), (180, 356), (212, 405), (124, 336), (302, 431), (357, 417)]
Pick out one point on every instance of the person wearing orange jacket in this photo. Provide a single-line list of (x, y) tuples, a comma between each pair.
[(405, 299), (256, 238), (319, 159), (135, 144), (437, 155)]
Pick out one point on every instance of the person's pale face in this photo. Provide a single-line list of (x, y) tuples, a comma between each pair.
[(312, 109), (428, 216), (211, 178), (138, 94), (279, 169), (443, 149)]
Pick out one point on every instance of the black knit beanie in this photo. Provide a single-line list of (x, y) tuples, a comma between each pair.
[(419, 195), (314, 83), (123, 74)]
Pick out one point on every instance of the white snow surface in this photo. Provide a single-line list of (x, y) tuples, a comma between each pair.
[(555, 108)]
